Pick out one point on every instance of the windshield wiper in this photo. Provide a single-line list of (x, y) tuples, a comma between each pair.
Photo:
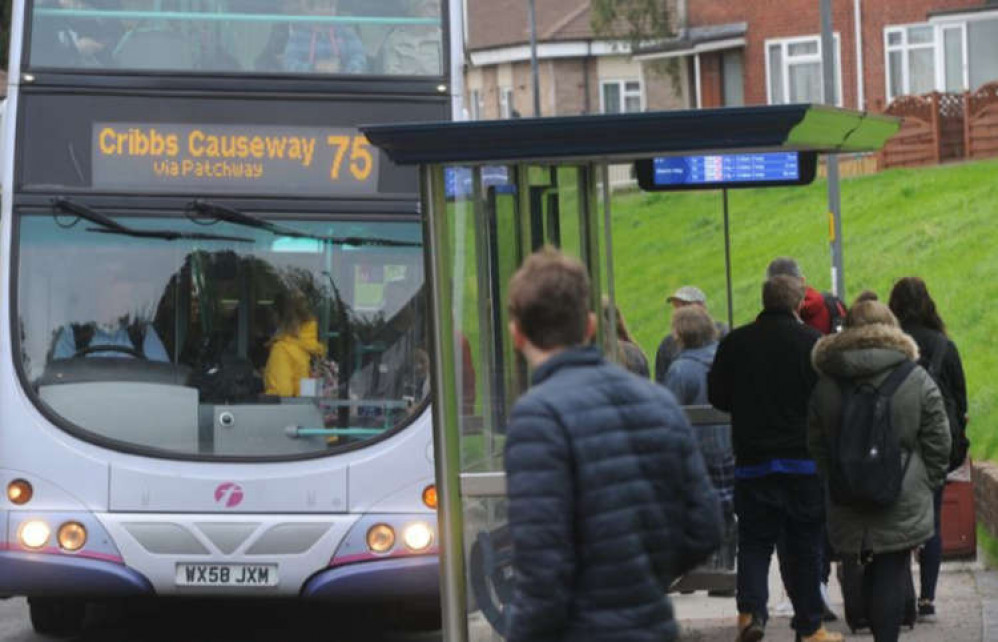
[(229, 215), (110, 226)]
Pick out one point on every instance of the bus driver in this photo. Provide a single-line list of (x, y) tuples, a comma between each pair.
[(122, 334)]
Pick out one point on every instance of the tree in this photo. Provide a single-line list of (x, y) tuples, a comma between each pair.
[(639, 21)]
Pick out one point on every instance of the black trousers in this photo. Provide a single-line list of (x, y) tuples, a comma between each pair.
[(768, 508), (884, 581)]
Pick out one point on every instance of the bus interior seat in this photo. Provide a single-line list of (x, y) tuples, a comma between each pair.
[(152, 48), (147, 414), (259, 429)]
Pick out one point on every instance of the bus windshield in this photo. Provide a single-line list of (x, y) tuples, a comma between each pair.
[(326, 37), (219, 339)]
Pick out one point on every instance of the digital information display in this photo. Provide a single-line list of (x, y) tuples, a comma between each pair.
[(458, 180), (245, 159), (723, 171), (727, 168)]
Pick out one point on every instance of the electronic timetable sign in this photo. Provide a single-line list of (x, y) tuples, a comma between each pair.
[(726, 171)]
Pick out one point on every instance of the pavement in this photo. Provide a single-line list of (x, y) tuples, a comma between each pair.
[(967, 607)]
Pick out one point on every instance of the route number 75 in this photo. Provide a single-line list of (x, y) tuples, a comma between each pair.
[(355, 149)]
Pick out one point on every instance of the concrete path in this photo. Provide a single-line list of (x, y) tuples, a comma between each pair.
[(966, 604)]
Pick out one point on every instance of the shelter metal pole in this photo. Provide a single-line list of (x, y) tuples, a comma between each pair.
[(534, 69), (608, 238), (446, 434), (589, 240), (834, 197), (727, 262)]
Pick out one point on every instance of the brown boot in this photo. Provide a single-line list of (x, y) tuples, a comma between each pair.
[(750, 628), (822, 635)]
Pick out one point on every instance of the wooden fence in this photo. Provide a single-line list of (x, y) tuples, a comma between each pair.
[(982, 126), (941, 127)]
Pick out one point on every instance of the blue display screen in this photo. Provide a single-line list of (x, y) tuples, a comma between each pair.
[(458, 180), (774, 167)]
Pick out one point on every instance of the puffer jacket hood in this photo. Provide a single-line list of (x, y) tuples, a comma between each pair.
[(869, 354), (861, 352)]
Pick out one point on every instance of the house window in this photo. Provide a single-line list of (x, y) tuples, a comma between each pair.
[(911, 60), (938, 57), (982, 52), (793, 71), (505, 102), (621, 97), (733, 78)]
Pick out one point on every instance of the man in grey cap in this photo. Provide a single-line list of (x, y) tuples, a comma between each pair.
[(668, 349)]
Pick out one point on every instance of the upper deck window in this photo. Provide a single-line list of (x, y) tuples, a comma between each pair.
[(320, 37)]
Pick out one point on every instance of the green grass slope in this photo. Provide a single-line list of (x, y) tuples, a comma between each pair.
[(938, 223)]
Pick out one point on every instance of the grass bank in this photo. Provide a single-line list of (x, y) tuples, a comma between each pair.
[(938, 223)]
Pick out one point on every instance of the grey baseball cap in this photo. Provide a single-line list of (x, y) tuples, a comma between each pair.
[(688, 294)]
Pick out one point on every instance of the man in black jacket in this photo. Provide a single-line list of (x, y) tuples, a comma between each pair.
[(762, 375), (609, 498)]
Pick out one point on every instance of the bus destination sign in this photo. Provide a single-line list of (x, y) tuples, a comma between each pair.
[(244, 159)]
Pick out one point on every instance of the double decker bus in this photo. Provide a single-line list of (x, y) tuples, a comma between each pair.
[(213, 347)]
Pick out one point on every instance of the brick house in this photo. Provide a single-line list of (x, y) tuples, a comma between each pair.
[(769, 51), (579, 72)]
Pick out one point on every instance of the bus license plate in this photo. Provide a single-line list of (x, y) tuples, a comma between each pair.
[(226, 575)]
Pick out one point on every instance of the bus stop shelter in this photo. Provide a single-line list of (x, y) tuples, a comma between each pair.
[(494, 191)]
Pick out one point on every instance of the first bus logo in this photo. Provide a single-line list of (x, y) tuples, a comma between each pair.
[(229, 494)]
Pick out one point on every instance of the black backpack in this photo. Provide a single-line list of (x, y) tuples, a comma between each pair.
[(957, 428), (836, 311), (867, 463)]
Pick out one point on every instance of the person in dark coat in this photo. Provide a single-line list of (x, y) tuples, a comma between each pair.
[(871, 347), (668, 349), (916, 311), (609, 498), (762, 375)]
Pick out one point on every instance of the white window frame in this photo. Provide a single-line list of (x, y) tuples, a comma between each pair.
[(624, 94), (938, 46), (506, 105), (786, 62)]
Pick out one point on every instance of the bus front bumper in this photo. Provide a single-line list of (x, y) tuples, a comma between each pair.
[(400, 579), (40, 574)]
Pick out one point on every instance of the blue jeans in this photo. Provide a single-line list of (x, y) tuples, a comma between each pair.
[(769, 507), (931, 556)]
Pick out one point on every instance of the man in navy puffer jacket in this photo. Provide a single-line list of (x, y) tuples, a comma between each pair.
[(609, 498)]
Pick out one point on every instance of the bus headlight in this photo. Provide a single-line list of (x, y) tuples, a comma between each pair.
[(19, 492), (380, 538), (72, 536), (418, 536), (34, 534)]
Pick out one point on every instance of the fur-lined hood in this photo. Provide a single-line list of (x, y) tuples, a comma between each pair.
[(863, 352)]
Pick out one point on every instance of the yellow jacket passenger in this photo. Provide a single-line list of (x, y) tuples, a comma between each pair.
[(290, 360)]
